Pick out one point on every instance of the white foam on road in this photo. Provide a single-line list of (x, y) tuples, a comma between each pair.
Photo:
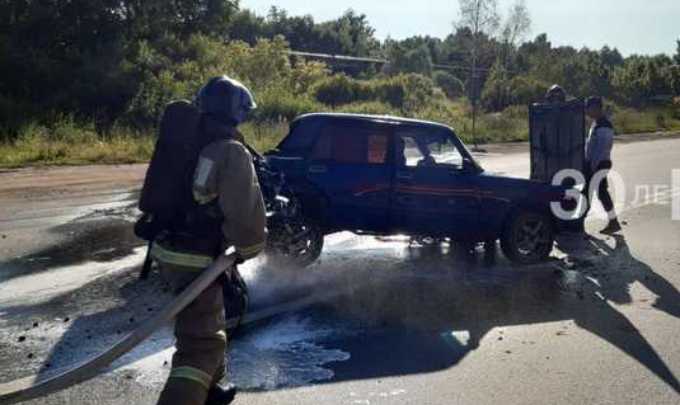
[(287, 353)]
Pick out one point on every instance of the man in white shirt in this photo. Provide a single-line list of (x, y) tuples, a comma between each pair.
[(598, 158)]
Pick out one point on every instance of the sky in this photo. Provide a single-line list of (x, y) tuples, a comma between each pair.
[(633, 26)]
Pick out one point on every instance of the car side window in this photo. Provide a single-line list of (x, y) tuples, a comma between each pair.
[(422, 147), (348, 144), (301, 137)]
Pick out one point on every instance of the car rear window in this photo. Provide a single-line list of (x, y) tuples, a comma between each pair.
[(352, 144)]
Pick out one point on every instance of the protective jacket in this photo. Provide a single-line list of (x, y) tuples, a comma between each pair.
[(225, 175), (225, 185)]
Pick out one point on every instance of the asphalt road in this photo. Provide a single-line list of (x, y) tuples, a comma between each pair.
[(376, 320)]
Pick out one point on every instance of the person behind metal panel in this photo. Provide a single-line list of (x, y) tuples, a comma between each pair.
[(224, 181), (598, 158), (556, 95)]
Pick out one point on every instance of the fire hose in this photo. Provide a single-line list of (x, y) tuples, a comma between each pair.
[(31, 387)]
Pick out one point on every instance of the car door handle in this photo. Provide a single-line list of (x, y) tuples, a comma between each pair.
[(404, 176), (318, 169)]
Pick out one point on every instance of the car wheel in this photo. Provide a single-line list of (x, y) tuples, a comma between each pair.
[(528, 238), (296, 245)]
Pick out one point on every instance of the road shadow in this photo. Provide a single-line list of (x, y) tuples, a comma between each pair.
[(416, 318), (422, 311), (94, 238), (629, 270)]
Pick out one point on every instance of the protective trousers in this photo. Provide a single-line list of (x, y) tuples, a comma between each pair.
[(198, 363)]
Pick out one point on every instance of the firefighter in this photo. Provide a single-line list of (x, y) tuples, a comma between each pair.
[(225, 183)]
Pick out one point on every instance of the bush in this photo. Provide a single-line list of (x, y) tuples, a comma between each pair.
[(496, 94), (264, 136), (368, 107), (336, 90), (306, 74), (452, 86), (630, 120), (419, 91), (405, 92), (526, 90), (276, 104), (391, 91), (173, 69)]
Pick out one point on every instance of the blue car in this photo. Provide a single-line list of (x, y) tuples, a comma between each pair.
[(385, 175)]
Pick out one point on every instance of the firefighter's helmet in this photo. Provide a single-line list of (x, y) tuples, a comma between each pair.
[(226, 99)]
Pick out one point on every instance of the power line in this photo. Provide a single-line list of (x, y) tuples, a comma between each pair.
[(348, 58), (341, 58)]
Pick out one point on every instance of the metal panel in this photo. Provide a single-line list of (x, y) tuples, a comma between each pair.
[(557, 137)]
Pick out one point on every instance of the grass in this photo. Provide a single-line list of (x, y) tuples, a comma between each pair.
[(68, 142)]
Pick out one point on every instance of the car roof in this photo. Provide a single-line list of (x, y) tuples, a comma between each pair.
[(368, 117)]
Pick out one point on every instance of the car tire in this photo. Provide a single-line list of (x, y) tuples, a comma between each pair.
[(528, 238), (300, 254)]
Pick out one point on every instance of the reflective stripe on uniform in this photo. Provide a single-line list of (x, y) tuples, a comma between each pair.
[(205, 167), (250, 250), (203, 198), (192, 261), (193, 374)]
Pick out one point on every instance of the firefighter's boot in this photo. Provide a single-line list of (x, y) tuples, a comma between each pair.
[(221, 395)]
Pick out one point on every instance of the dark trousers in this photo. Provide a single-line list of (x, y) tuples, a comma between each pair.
[(602, 189)]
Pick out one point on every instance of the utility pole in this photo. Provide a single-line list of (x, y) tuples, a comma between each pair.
[(474, 99)]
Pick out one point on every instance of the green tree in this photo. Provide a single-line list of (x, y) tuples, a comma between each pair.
[(611, 57), (350, 34), (300, 32), (416, 60), (155, 18), (247, 26), (643, 79), (496, 93), (674, 79), (516, 26), (481, 18)]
